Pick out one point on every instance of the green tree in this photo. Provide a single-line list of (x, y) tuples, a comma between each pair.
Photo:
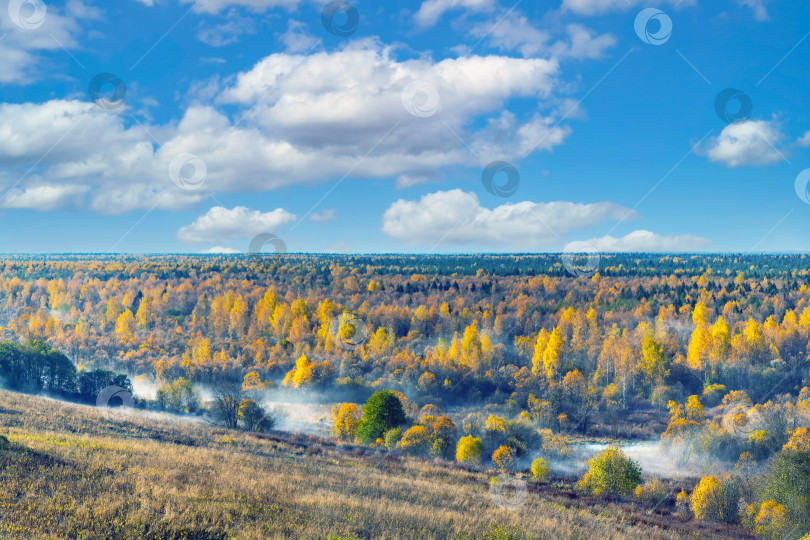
[(382, 411)]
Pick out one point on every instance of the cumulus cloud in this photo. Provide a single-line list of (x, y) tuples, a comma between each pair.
[(432, 10), (804, 140), (220, 250), (300, 119), (20, 49), (641, 240), (221, 225), (457, 217), (752, 142), (514, 32), (43, 197), (597, 7)]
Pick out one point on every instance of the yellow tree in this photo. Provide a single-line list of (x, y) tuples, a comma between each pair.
[(301, 374), (538, 367), (125, 326), (552, 356), (469, 450), (346, 420)]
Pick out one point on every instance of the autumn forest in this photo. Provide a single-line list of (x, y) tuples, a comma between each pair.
[(508, 362)]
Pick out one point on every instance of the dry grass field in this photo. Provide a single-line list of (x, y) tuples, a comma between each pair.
[(71, 471)]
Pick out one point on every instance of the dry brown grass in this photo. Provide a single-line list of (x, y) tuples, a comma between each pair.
[(80, 472)]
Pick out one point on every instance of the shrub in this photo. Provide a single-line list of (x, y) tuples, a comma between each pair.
[(347, 418), (444, 433), (503, 458), (469, 450), (392, 437), (610, 472), (382, 411), (772, 521), (540, 469), (254, 417), (682, 502), (416, 441), (788, 483), (715, 499), (654, 491)]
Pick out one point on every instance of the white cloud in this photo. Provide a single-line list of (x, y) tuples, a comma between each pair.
[(215, 6), (225, 33), (300, 119), (457, 217), (329, 214), (220, 250), (752, 142), (297, 39), (20, 48), (514, 32), (432, 10), (585, 44), (597, 7), (759, 7), (804, 141), (641, 240), (43, 197), (221, 224)]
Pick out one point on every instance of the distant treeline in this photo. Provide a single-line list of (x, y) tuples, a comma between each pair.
[(35, 368)]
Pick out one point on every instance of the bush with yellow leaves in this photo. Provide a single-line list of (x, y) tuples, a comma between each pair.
[(611, 472), (346, 419), (715, 499), (772, 521), (469, 450), (540, 469), (503, 458), (416, 441)]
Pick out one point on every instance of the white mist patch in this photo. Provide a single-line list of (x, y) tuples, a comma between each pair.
[(143, 387), (301, 417), (652, 459)]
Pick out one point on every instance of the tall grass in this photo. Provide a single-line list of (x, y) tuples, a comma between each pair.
[(79, 472)]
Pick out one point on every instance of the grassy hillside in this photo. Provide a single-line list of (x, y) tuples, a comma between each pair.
[(70, 471)]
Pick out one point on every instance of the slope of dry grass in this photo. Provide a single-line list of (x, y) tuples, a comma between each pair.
[(78, 472)]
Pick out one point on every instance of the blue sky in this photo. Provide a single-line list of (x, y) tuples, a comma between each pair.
[(243, 117)]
